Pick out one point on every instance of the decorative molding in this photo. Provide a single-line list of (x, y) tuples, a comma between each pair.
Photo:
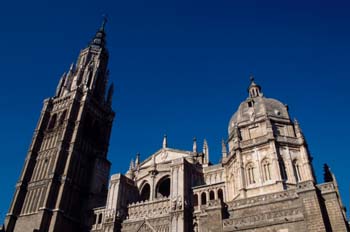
[(264, 199), (264, 219)]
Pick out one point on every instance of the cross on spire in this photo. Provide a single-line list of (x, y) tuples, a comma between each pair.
[(251, 77)]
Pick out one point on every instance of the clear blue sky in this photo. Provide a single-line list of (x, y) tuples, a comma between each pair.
[(181, 68)]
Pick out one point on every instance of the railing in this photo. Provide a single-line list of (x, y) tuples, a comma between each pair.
[(149, 209), (280, 196), (106, 215), (265, 138)]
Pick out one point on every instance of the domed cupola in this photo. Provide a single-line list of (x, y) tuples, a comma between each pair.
[(256, 108), (266, 150)]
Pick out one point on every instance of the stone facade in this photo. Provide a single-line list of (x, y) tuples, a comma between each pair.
[(264, 181)]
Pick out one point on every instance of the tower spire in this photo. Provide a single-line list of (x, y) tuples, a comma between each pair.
[(104, 22), (99, 40)]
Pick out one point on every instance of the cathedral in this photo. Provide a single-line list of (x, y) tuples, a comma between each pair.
[(264, 181)]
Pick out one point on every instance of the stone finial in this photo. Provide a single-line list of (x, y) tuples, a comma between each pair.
[(327, 174), (194, 145), (60, 84), (71, 70), (131, 172), (72, 66), (224, 149), (137, 160), (132, 165), (165, 141), (297, 128), (206, 151)]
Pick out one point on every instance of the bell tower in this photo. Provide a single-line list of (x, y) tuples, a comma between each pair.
[(66, 170)]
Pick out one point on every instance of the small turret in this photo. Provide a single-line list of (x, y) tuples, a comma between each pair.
[(254, 89)]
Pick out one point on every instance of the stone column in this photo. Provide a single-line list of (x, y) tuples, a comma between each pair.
[(275, 164), (177, 196), (241, 177)]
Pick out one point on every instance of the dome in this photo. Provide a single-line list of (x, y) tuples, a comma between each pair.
[(255, 106)]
